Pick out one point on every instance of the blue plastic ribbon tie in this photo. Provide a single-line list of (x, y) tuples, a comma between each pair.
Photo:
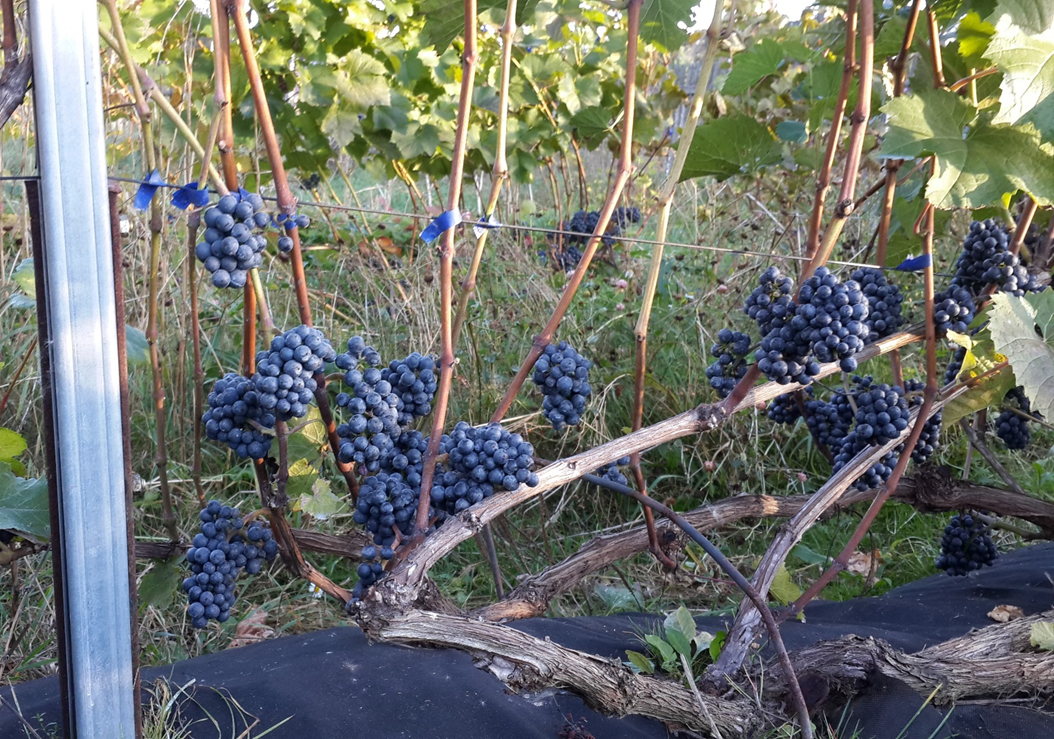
[(146, 190), (242, 194), (189, 195), (484, 225), (915, 264), (444, 222)]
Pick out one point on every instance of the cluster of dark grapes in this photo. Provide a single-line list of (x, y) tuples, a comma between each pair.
[(930, 438), (284, 378), (387, 505), (220, 550), (771, 304), (568, 258), (785, 408), (730, 351), (1012, 427), (829, 421), (966, 546), (953, 309), (985, 260), (562, 374), (955, 366), (612, 473), (230, 247), (852, 444), (884, 302), (584, 223), (296, 220), (882, 412), (831, 315), (480, 461), (414, 381), (236, 417), (369, 431)]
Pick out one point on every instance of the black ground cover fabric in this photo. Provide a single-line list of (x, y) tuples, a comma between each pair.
[(333, 684)]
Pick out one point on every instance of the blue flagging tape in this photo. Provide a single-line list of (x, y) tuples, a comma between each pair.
[(242, 194), (485, 225), (189, 195), (444, 222), (915, 264), (146, 190)]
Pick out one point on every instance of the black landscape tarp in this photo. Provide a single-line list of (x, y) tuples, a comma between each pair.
[(333, 684)]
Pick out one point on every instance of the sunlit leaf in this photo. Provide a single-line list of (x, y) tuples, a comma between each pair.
[(1041, 636), (1023, 329), (12, 444), (664, 22), (729, 146), (763, 59), (1022, 48)]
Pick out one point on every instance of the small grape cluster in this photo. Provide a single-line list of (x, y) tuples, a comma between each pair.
[(219, 551), (730, 351), (230, 247), (985, 260), (966, 546), (955, 365), (285, 373), (831, 315), (406, 457), (481, 461), (584, 223), (875, 475), (568, 258), (236, 417), (884, 303), (296, 220), (1012, 427), (414, 381), (771, 304), (785, 408), (882, 412), (829, 421), (953, 309), (930, 438), (368, 433), (612, 473), (562, 374)]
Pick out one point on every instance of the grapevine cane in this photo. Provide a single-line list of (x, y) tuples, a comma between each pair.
[(823, 180), (287, 204), (500, 171), (665, 202), (446, 266), (625, 166), (193, 222), (1023, 224)]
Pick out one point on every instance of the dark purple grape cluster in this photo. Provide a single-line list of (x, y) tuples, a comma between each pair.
[(481, 461), (230, 248), (612, 473), (406, 457), (289, 222), (882, 412), (771, 304), (220, 550), (875, 475), (930, 438), (884, 301), (1012, 427), (414, 381), (368, 432), (785, 408), (953, 309), (955, 365), (831, 315), (986, 260), (562, 374), (285, 373), (829, 421), (730, 353), (236, 417), (567, 258), (583, 223), (966, 546)]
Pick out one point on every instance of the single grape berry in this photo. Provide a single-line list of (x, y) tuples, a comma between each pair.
[(966, 546), (562, 374)]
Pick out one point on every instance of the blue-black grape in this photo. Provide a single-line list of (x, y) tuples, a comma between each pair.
[(829, 421), (966, 546), (368, 432), (730, 351), (229, 246), (223, 547), (786, 408), (612, 473), (875, 475), (955, 365), (562, 374), (414, 381), (235, 417), (884, 303), (1012, 427), (832, 317), (285, 373)]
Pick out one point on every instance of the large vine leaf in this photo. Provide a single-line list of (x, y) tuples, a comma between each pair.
[(24, 504), (665, 22), (763, 59), (1022, 47), (974, 36), (978, 163), (445, 19), (729, 146), (1023, 330)]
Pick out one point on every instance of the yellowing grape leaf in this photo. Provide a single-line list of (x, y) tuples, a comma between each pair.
[(1042, 636), (988, 392), (1022, 329), (783, 589)]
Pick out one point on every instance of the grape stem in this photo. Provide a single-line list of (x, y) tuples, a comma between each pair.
[(995, 523)]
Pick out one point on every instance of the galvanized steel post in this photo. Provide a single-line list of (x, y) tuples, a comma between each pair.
[(85, 379)]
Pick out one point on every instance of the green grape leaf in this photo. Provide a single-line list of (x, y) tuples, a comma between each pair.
[(591, 125), (681, 621), (1023, 329), (417, 140), (640, 662), (1022, 48), (445, 19), (974, 35), (24, 504), (660, 647), (728, 146), (796, 132), (342, 125), (302, 477), (24, 276), (1042, 636), (783, 589), (12, 444), (136, 346), (158, 587), (762, 60), (665, 22), (978, 163), (989, 392), (717, 645)]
